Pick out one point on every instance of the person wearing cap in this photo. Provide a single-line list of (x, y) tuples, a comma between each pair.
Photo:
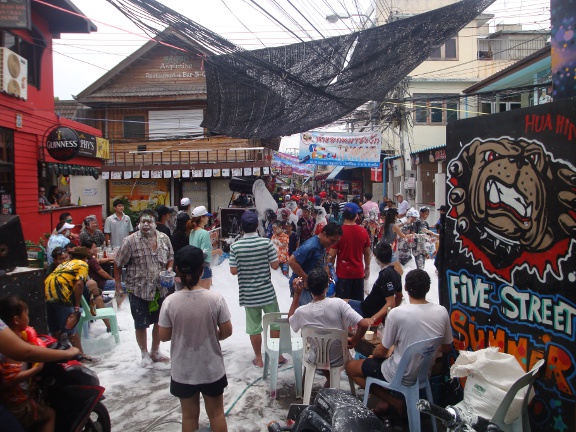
[(60, 239), (279, 196), (117, 226), (63, 290), (251, 258), (90, 232), (163, 213), (200, 238), (421, 227), (351, 255), (403, 205), (184, 205), (146, 254), (211, 323), (310, 255), (406, 244)]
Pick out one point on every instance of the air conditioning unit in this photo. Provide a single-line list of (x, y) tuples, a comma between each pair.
[(13, 74)]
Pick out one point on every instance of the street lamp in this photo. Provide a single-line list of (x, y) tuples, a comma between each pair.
[(336, 17)]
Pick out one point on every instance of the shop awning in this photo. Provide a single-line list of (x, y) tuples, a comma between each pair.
[(334, 173)]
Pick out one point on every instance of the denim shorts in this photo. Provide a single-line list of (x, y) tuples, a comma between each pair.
[(207, 272), (356, 305), (140, 313), (57, 315)]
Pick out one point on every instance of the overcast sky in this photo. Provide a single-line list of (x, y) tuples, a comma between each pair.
[(79, 60)]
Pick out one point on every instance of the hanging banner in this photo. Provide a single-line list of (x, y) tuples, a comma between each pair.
[(509, 276), (342, 149), (285, 164), (139, 194)]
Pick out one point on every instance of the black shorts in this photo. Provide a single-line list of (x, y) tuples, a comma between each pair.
[(185, 391), (350, 289), (142, 316), (372, 367)]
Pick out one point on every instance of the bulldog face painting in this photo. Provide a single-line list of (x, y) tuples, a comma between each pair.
[(509, 207)]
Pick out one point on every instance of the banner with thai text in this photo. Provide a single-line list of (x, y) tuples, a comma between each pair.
[(509, 278), (285, 164), (340, 148)]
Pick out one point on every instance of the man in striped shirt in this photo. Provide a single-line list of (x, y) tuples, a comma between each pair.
[(251, 258)]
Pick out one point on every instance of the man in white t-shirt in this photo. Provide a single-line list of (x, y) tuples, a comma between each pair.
[(403, 205), (407, 324), (325, 313)]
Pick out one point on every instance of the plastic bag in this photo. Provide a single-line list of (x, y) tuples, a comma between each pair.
[(490, 374)]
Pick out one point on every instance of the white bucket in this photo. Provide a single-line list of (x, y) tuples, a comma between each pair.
[(167, 278)]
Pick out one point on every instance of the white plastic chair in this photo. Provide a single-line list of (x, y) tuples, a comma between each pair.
[(522, 423), (102, 313), (421, 353), (274, 347), (321, 339)]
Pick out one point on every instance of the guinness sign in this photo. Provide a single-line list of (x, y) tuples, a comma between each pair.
[(63, 143)]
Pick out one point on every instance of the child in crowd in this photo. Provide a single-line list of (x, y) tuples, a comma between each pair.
[(280, 240), (292, 238), (14, 392)]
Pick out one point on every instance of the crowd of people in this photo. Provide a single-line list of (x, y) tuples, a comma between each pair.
[(322, 243)]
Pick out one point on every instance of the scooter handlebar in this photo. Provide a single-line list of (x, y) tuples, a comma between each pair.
[(447, 417)]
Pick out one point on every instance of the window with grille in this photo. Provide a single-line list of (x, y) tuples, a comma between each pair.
[(435, 109), (448, 51), (134, 126)]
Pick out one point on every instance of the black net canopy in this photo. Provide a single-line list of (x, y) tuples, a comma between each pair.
[(280, 91)]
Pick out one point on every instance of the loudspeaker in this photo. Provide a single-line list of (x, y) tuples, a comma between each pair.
[(12, 247)]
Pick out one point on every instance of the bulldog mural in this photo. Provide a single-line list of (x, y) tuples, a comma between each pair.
[(509, 276), (514, 205)]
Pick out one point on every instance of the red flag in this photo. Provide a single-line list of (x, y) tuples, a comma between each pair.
[(376, 173)]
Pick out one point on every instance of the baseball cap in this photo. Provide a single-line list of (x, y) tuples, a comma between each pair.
[(65, 227), (322, 194), (200, 211), (412, 213), (352, 207), (340, 196), (189, 259), (287, 197), (296, 197), (398, 194), (249, 217), (185, 201), (284, 212), (443, 208), (424, 209), (81, 252)]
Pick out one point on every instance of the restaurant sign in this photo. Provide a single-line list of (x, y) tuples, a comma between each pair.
[(64, 144), (15, 14)]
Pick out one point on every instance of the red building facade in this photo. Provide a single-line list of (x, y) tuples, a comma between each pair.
[(27, 117)]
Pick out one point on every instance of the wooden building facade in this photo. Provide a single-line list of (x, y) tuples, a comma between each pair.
[(150, 107)]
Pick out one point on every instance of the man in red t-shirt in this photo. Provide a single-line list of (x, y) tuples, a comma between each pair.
[(348, 253)]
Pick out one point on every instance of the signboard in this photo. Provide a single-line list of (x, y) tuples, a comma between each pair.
[(65, 143), (510, 267), (15, 14), (342, 149), (140, 194), (285, 164)]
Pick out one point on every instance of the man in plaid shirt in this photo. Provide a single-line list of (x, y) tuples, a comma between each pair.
[(145, 254)]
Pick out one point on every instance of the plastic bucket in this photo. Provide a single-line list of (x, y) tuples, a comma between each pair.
[(167, 279)]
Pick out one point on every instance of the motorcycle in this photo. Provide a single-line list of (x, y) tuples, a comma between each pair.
[(73, 390), (333, 410), (456, 419)]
